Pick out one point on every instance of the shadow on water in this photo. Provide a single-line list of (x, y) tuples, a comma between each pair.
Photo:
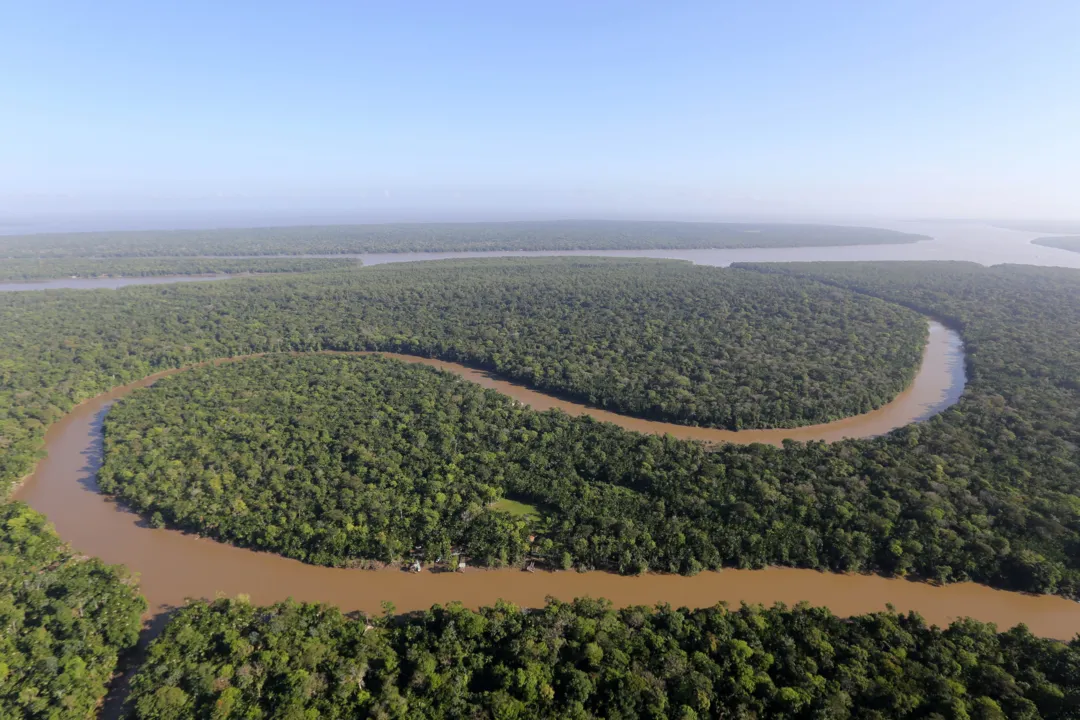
[(955, 367), (94, 457), (94, 454), (114, 704), (114, 707)]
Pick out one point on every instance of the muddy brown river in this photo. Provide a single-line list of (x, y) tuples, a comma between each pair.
[(173, 566)]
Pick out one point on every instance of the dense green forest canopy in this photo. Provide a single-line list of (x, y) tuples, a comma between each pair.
[(1009, 452), (1071, 243), (656, 338), (446, 237), (585, 660), (663, 340), (987, 490), (24, 269), (331, 459), (335, 459), (64, 621)]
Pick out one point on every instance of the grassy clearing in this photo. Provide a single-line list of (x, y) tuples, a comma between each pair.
[(516, 508)]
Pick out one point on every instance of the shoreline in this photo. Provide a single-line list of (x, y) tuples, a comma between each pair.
[(171, 566)]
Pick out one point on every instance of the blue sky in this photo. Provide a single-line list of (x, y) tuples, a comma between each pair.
[(583, 108)]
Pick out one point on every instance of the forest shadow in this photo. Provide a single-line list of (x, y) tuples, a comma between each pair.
[(94, 458), (114, 706), (94, 454)]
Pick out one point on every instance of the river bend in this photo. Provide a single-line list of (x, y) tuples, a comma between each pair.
[(173, 566)]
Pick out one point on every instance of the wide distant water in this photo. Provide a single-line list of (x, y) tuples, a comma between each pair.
[(974, 243), (951, 241), (106, 283)]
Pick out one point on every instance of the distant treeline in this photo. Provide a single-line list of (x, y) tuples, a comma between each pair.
[(444, 237), (30, 269), (580, 660), (1071, 243)]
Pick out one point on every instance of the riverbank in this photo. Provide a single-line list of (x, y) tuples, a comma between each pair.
[(173, 566)]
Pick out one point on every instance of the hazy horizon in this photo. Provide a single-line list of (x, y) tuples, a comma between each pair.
[(688, 110), (204, 220), (45, 223)]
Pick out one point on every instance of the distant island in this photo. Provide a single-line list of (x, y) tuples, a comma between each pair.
[(1067, 242), (1059, 227), (444, 237)]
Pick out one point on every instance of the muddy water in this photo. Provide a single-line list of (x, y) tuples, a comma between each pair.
[(173, 566)]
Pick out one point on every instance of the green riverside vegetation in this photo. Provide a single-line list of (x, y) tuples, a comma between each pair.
[(228, 659), (445, 237), (988, 490), (985, 491), (659, 339), (1010, 449), (335, 460), (29, 269), (64, 621)]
